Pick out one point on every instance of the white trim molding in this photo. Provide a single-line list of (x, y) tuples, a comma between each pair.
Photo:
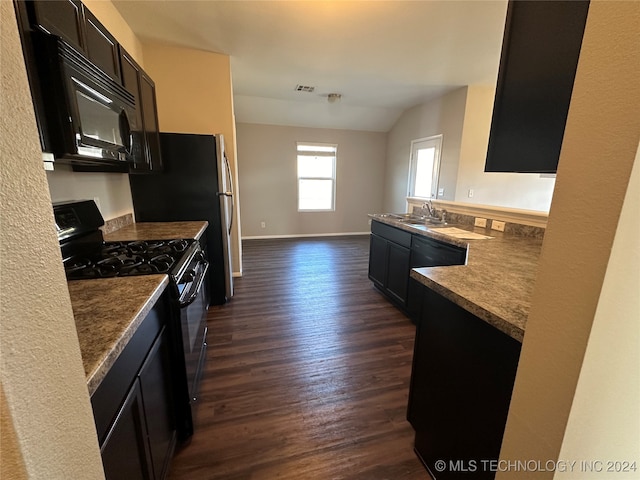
[(305, 235)]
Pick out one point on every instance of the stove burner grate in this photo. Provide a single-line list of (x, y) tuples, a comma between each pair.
[(127, 258)]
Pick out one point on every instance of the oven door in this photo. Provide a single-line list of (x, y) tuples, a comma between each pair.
[(193, 321)]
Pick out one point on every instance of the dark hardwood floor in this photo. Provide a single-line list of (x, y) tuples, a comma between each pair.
[(307, 374)]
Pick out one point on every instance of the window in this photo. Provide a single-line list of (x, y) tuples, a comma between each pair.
[(316, 177), (424, 167)]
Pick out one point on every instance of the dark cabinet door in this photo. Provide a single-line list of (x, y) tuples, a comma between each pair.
[(63, 18), (156, 387), (145, 133), (125, 451), (378, 260), (131, 81), (150, 119), (101, 46), (540, 51), (414, 300), (461, 384), (398, 272)]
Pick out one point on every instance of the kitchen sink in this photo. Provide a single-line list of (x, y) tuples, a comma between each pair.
[(402, 217), (412, 219), (423, 221)]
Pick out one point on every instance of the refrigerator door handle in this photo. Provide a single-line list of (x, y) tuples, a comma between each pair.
[(230, 193)]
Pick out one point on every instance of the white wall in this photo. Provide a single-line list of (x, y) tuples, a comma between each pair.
[(268, 185), (111, 191), (604, 423), (464, 118), (573, 313), (444, 116), (526, 191), (47, 427)]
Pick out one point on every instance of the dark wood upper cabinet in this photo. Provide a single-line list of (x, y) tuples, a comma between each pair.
[(144, 127), (48, 27), (101, 46), (63, 18), (77, 26), (540, 51), (150, 120)]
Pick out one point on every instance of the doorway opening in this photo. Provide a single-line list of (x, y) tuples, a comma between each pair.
[(424, 167)]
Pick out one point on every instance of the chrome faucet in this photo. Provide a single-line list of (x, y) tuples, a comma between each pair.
[(430, 208)]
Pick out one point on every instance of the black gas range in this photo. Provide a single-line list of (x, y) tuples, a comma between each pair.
[(119, 259), (86, 256)]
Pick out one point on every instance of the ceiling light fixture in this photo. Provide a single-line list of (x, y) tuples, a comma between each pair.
[(334, 97)]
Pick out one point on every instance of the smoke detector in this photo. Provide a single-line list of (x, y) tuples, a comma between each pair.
[(334, 97)]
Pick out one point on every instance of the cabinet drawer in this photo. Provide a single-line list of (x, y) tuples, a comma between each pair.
[(391, 233)]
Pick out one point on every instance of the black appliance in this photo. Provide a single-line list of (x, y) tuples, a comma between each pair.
[(85, 117), (86, 255), (196, 184)]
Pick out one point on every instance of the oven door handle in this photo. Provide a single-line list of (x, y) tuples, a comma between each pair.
[(195, 287)]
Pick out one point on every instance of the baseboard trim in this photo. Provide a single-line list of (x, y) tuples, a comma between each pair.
[(303, 235)]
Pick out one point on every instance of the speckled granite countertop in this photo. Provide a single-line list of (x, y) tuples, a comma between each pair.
[(107, 312), (497, 282), (158, 231)]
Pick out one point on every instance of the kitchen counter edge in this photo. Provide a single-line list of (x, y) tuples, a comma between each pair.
[(107, 312), (158, 231), (497, 282)]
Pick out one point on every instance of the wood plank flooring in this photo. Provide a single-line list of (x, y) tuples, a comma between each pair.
[(307, 373)]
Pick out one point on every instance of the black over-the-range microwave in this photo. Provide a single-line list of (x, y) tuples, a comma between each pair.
[(86, 113)]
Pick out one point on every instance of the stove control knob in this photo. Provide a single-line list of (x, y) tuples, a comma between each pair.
[(189, 276)]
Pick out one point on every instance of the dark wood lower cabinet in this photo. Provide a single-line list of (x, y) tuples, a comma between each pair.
[(134, 405), (461, 384), (124, 452), (398, 272), (394, 252), (389, 258), (157, 398), (378, 260)]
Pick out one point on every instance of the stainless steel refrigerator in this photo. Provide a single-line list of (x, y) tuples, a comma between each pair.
[(196, 184)]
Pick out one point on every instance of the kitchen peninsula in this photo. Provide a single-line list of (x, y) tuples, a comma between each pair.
[(470, 321), (496, 283)]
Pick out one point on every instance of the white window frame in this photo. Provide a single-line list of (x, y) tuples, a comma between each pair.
[(332, 178), (433, 141)]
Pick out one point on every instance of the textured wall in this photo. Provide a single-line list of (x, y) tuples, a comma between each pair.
[(51, 425), (604, 423), (599, 149), (269, 187)]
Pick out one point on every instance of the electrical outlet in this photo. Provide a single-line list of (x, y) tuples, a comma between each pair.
[(263, 224), (441, 192), (470, 193), (481, 222), (497, 225)]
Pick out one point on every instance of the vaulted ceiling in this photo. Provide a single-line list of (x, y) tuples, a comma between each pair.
[(381, 56)]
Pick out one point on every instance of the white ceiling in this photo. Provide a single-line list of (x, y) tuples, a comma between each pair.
[(382, 56)]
